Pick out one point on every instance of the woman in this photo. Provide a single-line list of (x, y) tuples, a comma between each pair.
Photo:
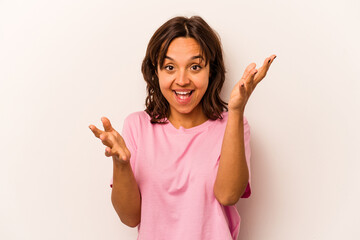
[(182, 164)]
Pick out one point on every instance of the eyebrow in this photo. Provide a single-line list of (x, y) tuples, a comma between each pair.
[(192, 58)]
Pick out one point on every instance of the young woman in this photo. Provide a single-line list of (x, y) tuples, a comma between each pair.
[(181, 165)]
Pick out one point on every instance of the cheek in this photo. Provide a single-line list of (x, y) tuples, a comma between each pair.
[(203, 83), (164, 85), (203, 80), (206, 84)]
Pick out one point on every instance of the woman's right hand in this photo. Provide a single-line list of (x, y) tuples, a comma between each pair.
[(116, 146)]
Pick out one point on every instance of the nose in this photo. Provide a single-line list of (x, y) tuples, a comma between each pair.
[(182, 78)]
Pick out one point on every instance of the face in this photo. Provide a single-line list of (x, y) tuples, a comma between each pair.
[(184, 78)]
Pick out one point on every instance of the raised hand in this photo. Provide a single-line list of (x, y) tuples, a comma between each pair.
[(116, 146), (243, 89)]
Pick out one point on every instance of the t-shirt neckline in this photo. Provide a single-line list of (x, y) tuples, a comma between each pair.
[(170, 127)]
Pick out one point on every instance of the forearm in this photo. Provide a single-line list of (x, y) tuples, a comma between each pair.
[(233, 174), (125, 195)]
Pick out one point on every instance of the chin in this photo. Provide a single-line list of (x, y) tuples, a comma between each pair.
[(184, 111)]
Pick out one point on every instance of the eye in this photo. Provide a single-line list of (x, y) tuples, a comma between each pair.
[(196, 67), (169, 67)]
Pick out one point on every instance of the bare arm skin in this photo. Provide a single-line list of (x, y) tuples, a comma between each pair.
[(233, 173), (125, 195)]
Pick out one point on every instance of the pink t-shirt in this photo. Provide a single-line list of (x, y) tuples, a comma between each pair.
[(175, 170)]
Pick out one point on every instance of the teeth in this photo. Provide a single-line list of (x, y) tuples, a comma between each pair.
[(183, 93)]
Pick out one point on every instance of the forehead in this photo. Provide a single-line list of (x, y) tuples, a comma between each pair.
[(182, 47)]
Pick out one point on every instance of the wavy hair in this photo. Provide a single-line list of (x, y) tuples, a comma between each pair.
[(194, 27)]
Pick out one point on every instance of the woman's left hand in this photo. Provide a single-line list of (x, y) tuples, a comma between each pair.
[(243, 89)]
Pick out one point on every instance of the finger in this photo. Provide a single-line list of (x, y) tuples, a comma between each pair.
[(251, 76), (264, 68), (124, 155), (120, 153), (106, 124), (247, 71), (273, 58), (127, 153), (250, 80), (107, 139), (108, 152), (95, 130), (262, 71), (111, 152), (268, 61)]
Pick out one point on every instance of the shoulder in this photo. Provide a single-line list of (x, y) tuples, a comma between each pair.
[(139, 116), (137, 121)]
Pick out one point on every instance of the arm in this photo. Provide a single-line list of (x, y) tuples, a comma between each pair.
[(125, 195), (233, 173)]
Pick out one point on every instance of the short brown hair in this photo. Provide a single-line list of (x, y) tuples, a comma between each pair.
[(194, 27)]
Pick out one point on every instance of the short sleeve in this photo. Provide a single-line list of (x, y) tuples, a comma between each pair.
[(129, 135), (247, 192)]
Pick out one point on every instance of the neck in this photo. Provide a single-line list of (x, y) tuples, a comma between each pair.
[(187, 120)]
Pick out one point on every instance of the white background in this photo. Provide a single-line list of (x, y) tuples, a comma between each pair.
[(65, 64)]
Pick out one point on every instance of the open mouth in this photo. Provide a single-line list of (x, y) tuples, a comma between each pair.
[(183, 95)]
